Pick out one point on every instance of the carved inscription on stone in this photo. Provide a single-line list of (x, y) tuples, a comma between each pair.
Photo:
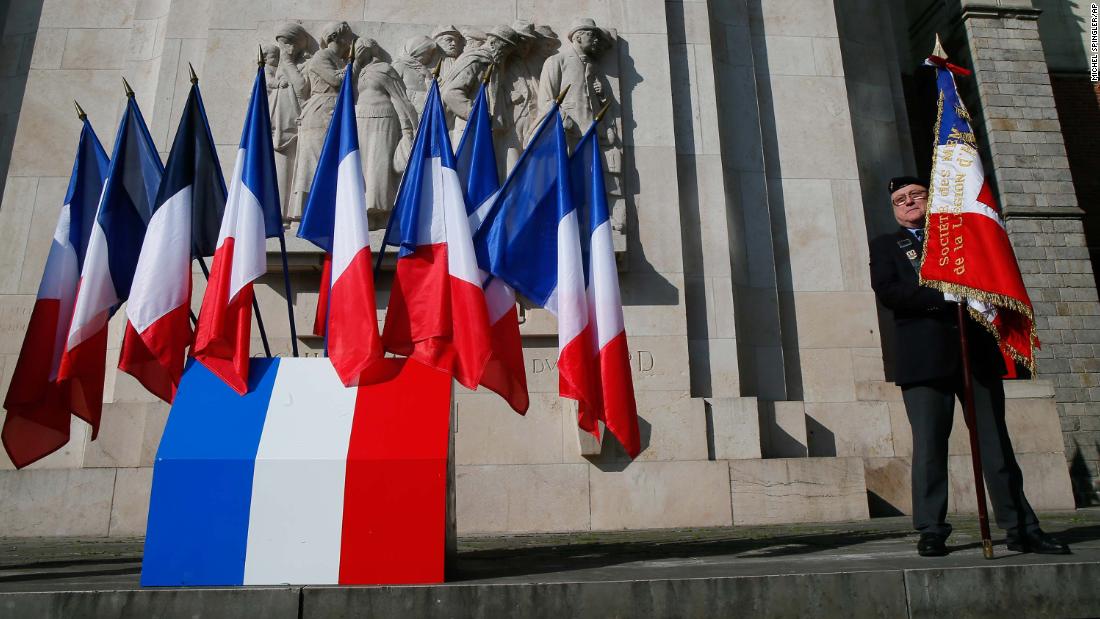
[(641, 361)]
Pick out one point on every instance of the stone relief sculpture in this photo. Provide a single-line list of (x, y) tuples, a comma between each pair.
[(324, 72), (288, 90), (414, 65), (460, 89), (576, 66), (531, 67), (385, 117)]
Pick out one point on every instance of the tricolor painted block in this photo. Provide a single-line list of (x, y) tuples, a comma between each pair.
[(301, 480)]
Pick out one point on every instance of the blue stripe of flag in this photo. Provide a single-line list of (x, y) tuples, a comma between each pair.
[(945, 81), (475, 159), (589, 193), (193, 162), (85, 186), (319, 216), (129, 196), (202, 480), (259, 165), (432, 141), (520, 235)]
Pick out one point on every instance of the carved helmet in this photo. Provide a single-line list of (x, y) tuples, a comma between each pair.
[(506, 34), (525, 29), (584, 23)]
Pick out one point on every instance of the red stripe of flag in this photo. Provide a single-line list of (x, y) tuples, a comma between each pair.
[(225, 326)]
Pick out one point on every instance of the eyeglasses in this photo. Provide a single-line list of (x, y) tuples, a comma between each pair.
[(913, 195)]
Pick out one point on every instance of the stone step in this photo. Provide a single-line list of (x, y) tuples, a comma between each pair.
[(700, 585)]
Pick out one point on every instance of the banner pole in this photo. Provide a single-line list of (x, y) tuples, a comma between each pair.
[(972, 426), (289, 295)]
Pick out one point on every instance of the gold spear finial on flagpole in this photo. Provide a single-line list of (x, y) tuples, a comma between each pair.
[(260, 58), (437, 69), (603, 110), (126, 87), (564, 92), (351, 51), (488, 73), (79, 111), (938, 49), (194, 77)]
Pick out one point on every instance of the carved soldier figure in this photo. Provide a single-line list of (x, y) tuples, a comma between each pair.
[(414, 65), (589, 90), (451, 44), (386, 118), (289, 91), (575, 66), (460, 88), (519, 109), (325, 72), (474, 38), (546, 46)]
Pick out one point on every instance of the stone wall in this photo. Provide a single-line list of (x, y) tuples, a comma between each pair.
[(1078, 100), (1032, 173), (754, 145)]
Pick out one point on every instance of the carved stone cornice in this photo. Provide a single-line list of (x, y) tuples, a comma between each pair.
[(993, 9)]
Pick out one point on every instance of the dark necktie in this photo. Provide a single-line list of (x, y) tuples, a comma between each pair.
[(919, 233)]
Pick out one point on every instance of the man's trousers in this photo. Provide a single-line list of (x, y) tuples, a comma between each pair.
[(930, 407)]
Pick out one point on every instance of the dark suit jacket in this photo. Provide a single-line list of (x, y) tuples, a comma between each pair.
[(926, 327)]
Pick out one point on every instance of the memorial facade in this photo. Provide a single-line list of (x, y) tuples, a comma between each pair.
[(748, 145)]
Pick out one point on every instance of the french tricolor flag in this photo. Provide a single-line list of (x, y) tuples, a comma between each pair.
[(37, 423), (224, 329), (614, 393), (477, 170), (532, 239), (301, 480), (335, 219), (125, 208), (437, 312), (188, 210)]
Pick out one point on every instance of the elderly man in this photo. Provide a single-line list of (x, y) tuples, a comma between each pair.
[(928, 368)]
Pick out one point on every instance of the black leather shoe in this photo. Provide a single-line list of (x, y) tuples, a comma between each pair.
[(932, 545), (1037, 542)]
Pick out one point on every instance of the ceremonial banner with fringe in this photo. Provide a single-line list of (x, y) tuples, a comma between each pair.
[(966, 248)]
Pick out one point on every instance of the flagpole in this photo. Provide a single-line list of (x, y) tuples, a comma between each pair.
[(282, 254), (939, 56), (289, 295), (972, 427), (255, 308)]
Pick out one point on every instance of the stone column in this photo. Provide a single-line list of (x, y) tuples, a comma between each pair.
[(1029, 164), (826, 308), (705, 221)]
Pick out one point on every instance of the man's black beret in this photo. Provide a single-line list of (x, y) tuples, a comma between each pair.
[(898, 182)]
